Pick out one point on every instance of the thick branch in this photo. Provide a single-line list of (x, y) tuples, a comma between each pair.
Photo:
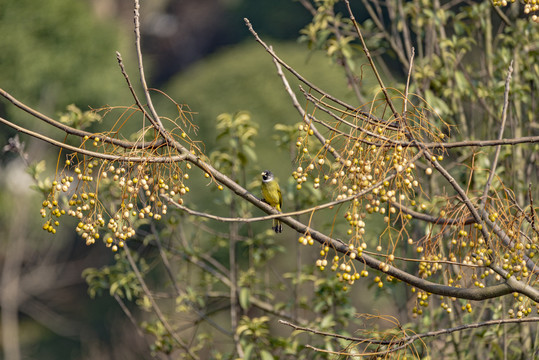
[(340, 246)]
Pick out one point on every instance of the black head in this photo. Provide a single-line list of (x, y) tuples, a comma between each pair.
[(267, 175)]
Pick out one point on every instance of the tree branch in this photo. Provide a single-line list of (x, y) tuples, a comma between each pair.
[(500, 136), (407, 340), (155, 307)]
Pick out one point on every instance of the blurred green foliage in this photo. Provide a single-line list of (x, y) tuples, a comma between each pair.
[(243, 77), (117, 279), (54, 53)]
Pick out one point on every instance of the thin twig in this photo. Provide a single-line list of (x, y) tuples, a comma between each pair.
[(532, 210), (275, 213), (378, 22), (316, 102), (129, 315), (438, 220), (156, 120), (154, 305), (500, 136), (484, 143), (407, 88), (302, 112), (130, 86), (371, 61), (98, 155), (409, 339), (352, 81), (133, 93), (72, 131), (529, 218), (294, 72)]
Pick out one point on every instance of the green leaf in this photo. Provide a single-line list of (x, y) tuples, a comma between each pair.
[(244, 298), (241, 329), (114, 288), (437, 104), (265, 355), (247, 351), (249, 153), (128, 294), (327, 322), (462, 83)]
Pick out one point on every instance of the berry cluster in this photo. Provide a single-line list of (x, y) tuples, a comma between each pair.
[(530, 7), (134, 191), (369, 168), (373, 171)]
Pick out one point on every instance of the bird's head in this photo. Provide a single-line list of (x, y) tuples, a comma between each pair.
[(267, 176)]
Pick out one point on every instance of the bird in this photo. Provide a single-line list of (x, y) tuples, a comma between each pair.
[(272, 195)]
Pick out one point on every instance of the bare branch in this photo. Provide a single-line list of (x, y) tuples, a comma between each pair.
[(98, 155), (371, 61), (500, 136), (155, 307), (294, 72), (396, 344), (72, 131), (133, 93), (302, 112)]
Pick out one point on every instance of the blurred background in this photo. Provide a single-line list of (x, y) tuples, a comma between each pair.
[(62, 52)]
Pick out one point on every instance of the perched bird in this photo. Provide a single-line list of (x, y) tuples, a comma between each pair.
[(272, 195)]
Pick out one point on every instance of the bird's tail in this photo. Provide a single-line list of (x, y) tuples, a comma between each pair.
[(277, 226)]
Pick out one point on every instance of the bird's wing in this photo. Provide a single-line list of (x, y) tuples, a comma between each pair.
[(280, 197)]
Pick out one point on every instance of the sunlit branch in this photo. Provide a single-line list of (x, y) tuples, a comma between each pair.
[(154, 118), (97, 155), (483, 143), (294, 72), (482, 219), (371, 61), (438, 220), (439, 261), (264, 206), (156, 121), (316, 102), (131, 89), (396, 344), (77, 132), (302, 112), (340, 246)]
